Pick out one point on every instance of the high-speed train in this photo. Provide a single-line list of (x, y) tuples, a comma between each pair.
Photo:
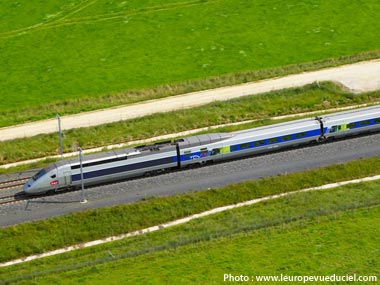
[(195, 150)]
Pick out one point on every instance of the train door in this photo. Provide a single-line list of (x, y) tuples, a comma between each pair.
[(67, 175)]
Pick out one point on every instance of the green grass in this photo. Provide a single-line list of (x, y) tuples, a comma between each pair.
[(88, 225), (71, 56), (316, 233), (331, 245), (90, 49), (309, 98)]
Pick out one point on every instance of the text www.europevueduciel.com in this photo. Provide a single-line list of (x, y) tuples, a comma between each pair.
[(300, 278)]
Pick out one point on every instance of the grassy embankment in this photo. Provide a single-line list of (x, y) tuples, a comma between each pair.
[(313, 97), (318, 233), (73, 56)]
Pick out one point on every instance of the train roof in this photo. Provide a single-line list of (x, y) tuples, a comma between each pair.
[(281, 128), (119, 153), (352, 115), (203, 139)]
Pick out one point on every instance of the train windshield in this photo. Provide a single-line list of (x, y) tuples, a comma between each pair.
[(39, 174)]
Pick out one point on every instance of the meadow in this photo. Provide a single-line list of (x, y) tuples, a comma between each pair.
[(317, 233), (321, 245), (63, 52)]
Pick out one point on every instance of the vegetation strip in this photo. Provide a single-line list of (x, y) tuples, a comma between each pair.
[(181, 134), (184, 220), (309, 98)]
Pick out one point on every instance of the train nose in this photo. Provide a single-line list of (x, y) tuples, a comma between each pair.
[(27, 186)]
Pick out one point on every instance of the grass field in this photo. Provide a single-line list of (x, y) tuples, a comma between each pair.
[(77, 55), (320, 246), (313, 97), (64, 51), (317, 233), (294, 248)]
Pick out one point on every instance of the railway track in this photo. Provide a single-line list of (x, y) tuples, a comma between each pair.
[(12, 184), (8, 199), (14, 198), (9, 184)]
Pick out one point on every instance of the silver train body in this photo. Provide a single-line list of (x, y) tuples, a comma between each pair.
[(189, 151)]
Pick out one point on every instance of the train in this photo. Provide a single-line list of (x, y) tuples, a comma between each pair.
[(192, 151)]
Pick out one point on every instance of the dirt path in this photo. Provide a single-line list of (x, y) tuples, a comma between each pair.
[(358, 77)]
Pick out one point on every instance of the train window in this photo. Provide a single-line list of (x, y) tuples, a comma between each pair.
[(233, 147), (333, 129), (351, 125), (215, 151), (287, 138), (301, 135), (365, 123), (258, 143), (376, 121), (187, 153), (244, 145), (53, 176), (42, 172), (273, 140)]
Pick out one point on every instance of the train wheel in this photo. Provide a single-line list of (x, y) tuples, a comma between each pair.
[(321, 139), (51, 192)]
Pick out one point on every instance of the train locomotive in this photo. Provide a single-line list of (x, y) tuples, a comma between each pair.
[(196, 150)]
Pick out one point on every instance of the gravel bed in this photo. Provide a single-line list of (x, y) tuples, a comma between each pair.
[(17, 175)]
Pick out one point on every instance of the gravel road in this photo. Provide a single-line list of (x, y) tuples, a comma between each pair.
[(358, 77), (193, 180)]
